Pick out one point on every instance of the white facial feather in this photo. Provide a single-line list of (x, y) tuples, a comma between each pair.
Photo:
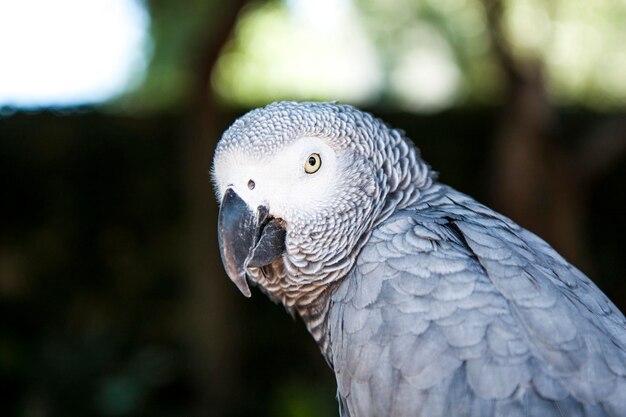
[(280, 181)]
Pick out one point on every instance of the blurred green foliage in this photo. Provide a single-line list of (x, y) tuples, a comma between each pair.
[(416, 55), (421, 55)]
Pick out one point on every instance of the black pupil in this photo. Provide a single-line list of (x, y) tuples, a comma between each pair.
[(312, 161)]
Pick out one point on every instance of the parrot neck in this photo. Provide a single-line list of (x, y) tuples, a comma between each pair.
[(408, 189), (406, 177), (305, 278)]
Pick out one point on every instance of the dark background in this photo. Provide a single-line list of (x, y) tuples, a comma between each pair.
[(112, 296)]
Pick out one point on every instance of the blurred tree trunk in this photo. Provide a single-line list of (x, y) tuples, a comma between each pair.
[(208, 313), (534, 181), (537, 180)]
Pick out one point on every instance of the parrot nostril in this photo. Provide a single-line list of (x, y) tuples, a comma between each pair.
[(251, 184)]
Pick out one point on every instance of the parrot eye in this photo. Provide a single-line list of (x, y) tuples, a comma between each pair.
[(313, 163)]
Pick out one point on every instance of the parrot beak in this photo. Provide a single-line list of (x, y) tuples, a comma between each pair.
[(247, 238)]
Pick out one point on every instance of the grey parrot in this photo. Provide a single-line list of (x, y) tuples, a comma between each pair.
[(423, 301)]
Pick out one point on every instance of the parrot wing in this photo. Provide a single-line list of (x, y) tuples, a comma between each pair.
[(453, 310)]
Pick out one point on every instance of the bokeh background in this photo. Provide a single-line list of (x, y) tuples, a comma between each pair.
[(113, 301)]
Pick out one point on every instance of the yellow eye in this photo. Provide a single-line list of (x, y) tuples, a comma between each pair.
[(313, 163)]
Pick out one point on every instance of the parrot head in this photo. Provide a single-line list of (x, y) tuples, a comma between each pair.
[(300, 187)]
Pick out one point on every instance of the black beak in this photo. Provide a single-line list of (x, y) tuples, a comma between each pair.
[(247, 238)]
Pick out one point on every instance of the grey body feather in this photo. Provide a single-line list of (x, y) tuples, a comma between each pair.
[(423, 301), (453, 310)]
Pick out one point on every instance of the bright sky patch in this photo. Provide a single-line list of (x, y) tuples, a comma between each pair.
[(69, 52)]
